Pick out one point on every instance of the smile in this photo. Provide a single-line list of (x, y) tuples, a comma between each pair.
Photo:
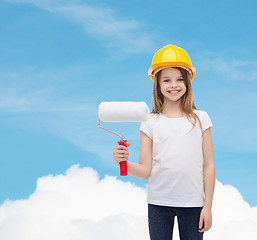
[(174, 92)]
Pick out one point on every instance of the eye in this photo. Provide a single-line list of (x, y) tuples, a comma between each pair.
[(165, 80), (180, 79)]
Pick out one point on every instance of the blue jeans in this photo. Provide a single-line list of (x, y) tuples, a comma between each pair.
[(161, 222)]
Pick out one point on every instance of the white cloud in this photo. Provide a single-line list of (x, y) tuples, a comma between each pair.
[(74, 206), (229, 69), (48, 100), (230, 95), (233, 218), (47, 4), (125, 35), (78, 205), (121, 37)]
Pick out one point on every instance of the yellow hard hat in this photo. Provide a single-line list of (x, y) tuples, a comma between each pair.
[(171, 55)]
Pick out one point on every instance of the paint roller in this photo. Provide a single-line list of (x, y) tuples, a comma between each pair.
[(122, 112)]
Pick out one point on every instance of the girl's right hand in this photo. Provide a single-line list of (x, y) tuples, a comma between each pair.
[(120, 153)]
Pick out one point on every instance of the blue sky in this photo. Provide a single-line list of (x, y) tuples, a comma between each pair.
[(60, 59)]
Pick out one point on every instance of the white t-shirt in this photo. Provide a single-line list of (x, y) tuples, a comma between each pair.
[(177, 170)]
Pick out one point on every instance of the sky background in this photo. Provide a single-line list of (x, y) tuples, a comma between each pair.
[(60, 59)]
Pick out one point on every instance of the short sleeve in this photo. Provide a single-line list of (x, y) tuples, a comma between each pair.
[(206, 121), (146, 128)]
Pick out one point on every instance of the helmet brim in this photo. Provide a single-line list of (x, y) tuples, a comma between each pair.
[(158, 67)]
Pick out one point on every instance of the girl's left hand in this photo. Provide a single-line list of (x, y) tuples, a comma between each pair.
[(205, 217)]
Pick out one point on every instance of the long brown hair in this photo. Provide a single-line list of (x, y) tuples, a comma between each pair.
[(187, 100)]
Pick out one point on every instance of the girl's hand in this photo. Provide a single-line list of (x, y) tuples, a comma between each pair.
[(205, 217), (120, 153)]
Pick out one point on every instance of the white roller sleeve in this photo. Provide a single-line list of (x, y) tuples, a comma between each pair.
[(123, 111)]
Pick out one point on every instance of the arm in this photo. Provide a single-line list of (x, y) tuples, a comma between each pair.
[(209, 181), (208, 168), (143, 168)]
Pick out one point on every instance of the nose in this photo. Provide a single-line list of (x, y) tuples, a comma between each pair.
[(173, 84)]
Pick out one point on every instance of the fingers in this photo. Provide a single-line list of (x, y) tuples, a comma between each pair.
[(121, 146), (206, 226), (120, 153), (205, 221), (200, 223)]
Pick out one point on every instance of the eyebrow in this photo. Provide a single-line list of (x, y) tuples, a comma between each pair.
[(168, 77)]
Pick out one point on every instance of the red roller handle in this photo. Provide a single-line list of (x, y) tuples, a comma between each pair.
[(123, 164)]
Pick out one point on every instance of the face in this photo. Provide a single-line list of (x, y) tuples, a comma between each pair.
[(172, 84)]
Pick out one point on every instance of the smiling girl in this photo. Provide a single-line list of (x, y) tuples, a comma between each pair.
[(176, 151)]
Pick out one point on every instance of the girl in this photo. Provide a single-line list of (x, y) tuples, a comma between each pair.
[(177, 137)]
